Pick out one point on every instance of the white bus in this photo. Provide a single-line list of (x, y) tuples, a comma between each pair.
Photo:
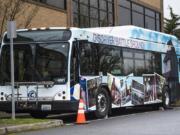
[(107, 67)]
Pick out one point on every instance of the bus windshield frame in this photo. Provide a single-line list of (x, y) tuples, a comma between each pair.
[(31, 36), (39, 51)]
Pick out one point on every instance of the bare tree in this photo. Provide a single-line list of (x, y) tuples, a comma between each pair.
[(29, 18), (13, 10)]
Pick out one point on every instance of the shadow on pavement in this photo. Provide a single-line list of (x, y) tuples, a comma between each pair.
[(71, 118)]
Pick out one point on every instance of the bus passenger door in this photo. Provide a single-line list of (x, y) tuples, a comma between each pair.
[(75, 62), (77, 81), (75, 90), (74, 68)]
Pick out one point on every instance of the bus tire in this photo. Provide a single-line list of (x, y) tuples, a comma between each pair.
[(166, 98), (38, 115), (102, 103)]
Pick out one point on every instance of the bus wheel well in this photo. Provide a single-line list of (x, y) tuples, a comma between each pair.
[(166, 87), (107, 89), (166, 98), (104, 86)]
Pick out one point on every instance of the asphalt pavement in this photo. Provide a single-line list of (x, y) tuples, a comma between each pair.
[(127, 123)]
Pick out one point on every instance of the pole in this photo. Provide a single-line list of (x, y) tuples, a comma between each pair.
[(11, 33), (12, 77)]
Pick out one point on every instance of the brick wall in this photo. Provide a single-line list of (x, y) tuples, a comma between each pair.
[(43, 15), (153, 3), (46, 17)]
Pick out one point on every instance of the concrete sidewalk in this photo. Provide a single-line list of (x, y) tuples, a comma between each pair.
[(28, 127)]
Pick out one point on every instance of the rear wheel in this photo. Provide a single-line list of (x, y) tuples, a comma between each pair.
[(102, 103), (166, 98)]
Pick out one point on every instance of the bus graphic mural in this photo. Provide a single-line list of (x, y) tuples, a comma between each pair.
[(131, 91)]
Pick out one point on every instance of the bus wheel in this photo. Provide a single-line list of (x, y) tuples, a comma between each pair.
[(39, 115), (102, 103), (166, 98)]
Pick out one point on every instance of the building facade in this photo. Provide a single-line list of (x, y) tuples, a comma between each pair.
[(96, 13)]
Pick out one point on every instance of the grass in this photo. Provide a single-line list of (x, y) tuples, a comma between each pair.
[(19, 121), (3, 114)]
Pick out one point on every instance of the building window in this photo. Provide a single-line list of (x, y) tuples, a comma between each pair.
[(55, 3), (158, 21), (125, 16), (150, 19), (132, 13), (137, 15), (124, 12), (137, 19), (93, 13)]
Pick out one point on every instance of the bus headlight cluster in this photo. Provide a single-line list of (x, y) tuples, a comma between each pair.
[(2, 96), (61, 95)]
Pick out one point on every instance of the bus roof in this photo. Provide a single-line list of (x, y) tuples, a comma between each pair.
[(127, 31), (134, 32), (118, 32), (136, 35)]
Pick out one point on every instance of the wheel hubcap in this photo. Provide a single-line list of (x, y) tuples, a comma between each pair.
[(167, 99), (102, 102)]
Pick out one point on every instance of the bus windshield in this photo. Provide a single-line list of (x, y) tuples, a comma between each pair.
[(36, 62)]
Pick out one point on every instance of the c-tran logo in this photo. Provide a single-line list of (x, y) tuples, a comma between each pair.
[(32, 94)]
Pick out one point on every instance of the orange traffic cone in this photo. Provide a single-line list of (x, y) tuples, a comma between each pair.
[(81, 116)]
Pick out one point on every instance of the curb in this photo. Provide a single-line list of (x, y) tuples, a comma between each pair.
[(28, 127), (174, 105)]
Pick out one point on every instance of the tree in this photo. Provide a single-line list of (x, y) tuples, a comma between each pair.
[(16, 10), (177, 33), (171, 24)]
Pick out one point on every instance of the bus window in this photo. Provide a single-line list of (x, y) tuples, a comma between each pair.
[(139, 62), (87, 64), (22, 62), (97, 58), (35, 63), (128, 62), (51, 62), (108, 59), (179, 64)]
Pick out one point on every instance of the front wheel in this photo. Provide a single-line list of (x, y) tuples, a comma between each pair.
[(166, 98), (102, 103)]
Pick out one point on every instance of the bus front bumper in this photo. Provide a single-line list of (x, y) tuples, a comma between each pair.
[(43, 106)]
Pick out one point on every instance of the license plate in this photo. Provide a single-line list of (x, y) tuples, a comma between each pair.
[(46, 107)]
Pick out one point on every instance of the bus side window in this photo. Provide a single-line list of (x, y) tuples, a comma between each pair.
[(74, 75), (179, 64)]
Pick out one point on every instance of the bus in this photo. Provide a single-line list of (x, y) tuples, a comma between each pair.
[(107, 67)]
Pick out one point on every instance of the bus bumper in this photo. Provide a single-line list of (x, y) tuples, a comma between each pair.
[(43, 106)]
